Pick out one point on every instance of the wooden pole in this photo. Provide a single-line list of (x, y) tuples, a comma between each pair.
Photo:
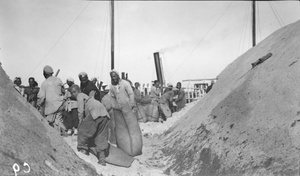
[(56, 74), (253, 24), (112, 35)]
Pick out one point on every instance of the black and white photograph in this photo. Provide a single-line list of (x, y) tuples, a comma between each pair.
[(149, 88)]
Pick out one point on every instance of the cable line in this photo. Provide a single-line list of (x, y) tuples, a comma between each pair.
[(202, 39), (58, 40)]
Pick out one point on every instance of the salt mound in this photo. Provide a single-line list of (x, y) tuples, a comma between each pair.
[(29, 144), (249, 123)]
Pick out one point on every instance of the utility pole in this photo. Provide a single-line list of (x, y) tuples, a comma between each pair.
[(112, 35), (253, 24)]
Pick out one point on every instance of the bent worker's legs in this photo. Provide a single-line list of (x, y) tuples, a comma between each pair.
[(101, 138), (86, 130), (67, 119), (75, 119)]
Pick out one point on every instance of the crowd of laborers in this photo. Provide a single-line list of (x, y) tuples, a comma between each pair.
[(86, 111)]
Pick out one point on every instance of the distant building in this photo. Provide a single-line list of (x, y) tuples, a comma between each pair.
[(195, 88)]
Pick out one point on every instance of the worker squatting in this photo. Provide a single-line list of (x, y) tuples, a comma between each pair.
[(101, 118)]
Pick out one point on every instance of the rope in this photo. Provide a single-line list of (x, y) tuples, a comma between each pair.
[(57, 41), (276, 14), (105, 43), (119, 36), (282, 22), (98, 52), (101, 37), (258, 22), (243, 29), (201, 39), (248, 26), (248, 43)]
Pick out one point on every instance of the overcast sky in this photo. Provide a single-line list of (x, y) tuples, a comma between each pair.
[(196, 39)]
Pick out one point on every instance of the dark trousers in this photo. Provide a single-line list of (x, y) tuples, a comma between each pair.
[(71, 119), (93, 133)]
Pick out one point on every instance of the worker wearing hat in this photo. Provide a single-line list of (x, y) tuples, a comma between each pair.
[(128, 132), (93, 125), (18, 86), (121, 90), (168, 88), (71, 109), (88, 87), (94, 80), (155, 90), (50, 97), (167, 99), (180, 100)]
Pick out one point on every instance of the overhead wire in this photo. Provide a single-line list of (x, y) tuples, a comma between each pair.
[(200, 41), (45, 56)]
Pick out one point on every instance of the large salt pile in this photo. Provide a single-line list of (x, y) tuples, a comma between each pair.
[(249, 123), (28, 145)]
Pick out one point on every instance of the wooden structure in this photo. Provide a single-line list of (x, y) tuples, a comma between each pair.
[(194, 88)]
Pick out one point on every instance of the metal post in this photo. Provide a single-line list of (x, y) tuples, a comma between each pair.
[(253, 24), (112, 35)]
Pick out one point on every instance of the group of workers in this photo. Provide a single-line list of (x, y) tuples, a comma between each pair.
[(174, 96), (84, 110)]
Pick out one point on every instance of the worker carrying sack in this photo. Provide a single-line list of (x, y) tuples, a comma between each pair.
[(115, 156), (152, 112), (140, 114), (128, 132)]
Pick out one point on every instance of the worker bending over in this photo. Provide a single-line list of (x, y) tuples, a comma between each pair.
[(93, 124)]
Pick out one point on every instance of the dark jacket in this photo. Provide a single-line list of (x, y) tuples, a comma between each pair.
[(86, 89)]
